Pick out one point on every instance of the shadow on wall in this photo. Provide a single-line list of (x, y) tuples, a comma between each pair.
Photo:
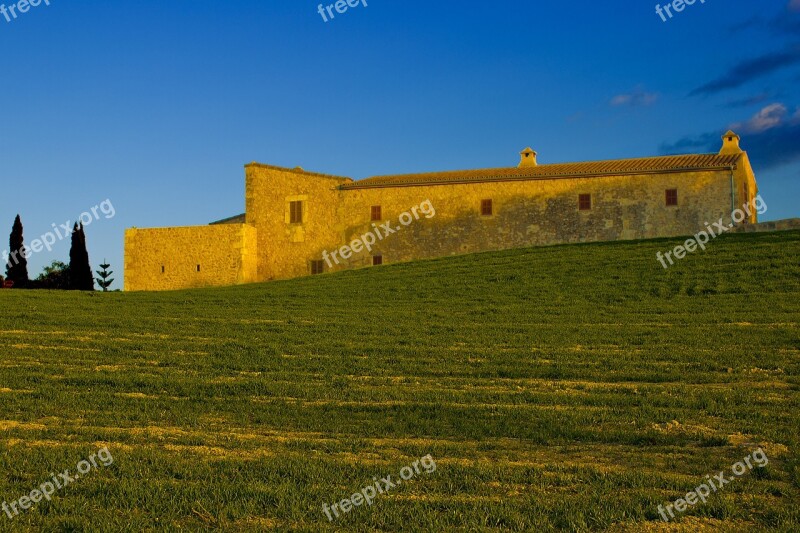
[(519, 223)]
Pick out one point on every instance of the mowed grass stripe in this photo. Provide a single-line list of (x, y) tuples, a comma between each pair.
[(571, 387)]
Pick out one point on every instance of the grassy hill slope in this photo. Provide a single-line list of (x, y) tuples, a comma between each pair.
[(569, 387)]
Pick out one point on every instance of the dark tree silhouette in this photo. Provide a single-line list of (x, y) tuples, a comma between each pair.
[(17, 267), (80, 271), (55, 276), (104, 274)]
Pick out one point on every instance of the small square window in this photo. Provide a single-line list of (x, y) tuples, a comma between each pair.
[(162, 269), (585, 202), (672, 196), (296, 212), (375, 214), (198, 268), (317, 267), (487, 209), (377, 260)]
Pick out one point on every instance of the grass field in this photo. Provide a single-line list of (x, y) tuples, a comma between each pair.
[(562, 388)]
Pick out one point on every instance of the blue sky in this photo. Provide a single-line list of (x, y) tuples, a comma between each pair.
[(158, 105)]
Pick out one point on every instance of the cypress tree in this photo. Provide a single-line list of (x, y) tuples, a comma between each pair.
[(17, 267), (80, 271)]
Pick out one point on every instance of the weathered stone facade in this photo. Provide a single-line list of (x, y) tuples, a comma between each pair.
[(200, 256), (293, 216)]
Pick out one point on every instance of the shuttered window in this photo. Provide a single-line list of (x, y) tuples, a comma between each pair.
[(672, 196), (296, 212)]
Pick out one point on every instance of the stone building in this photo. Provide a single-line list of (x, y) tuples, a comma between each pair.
[(295, 219)]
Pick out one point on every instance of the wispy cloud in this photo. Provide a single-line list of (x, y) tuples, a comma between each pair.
[(636, 98), (769, 117), (771, 138), (752, 22), (750, 100), (693, 144), (750, 70), (787, 21)]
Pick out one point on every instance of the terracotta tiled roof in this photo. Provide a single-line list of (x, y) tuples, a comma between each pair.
[(648, 165)]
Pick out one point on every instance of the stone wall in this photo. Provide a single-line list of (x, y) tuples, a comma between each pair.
[(525, 213), (168, 258), (286, 250), (787, 224)]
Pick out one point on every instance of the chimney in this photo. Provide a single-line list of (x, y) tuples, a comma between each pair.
[(527, 158), (730, 144)]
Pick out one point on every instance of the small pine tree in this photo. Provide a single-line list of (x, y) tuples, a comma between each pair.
[(17, 267), (80, 271), (104, 274)]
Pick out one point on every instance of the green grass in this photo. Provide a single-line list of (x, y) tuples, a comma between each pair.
[(562, 388)]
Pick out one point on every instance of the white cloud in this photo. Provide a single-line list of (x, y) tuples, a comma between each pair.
[(769, 117), (636, 98)]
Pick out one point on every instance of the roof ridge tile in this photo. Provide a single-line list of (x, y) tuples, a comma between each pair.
[(665, 163)]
